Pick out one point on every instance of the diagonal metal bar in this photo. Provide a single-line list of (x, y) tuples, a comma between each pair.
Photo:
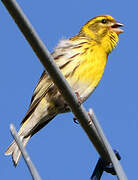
[(116, 164), (98, 171), (47, 61), (32, 169)]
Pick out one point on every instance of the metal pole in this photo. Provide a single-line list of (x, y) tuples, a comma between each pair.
[(32, 169), (98, 171), (116, 164)]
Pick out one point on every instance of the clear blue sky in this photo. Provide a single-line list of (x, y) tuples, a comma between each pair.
[(62, 150)]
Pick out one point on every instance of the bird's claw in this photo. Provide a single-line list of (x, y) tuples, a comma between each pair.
[(75, 120), (78, 97)]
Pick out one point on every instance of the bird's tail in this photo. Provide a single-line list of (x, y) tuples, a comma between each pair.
[(14, 150)]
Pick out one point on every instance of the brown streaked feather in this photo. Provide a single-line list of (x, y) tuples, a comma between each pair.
[(33, 105), (44, 78), (74, 55), (59, 56), (41, 78), (63, 65), (77, 47), (45, 82), (85, 50), (73, 71), (37, 96), (35, 101), (40, 126)]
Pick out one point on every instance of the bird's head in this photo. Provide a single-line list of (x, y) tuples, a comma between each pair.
[(104, 29)]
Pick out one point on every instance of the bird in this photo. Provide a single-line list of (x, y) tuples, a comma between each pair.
[(82, 60)]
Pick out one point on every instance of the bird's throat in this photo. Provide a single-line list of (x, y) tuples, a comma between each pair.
[(109, 42)]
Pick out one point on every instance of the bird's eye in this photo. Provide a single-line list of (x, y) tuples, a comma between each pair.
[(104, 21)]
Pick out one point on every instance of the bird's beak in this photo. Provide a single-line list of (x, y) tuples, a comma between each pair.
[(115, 27)]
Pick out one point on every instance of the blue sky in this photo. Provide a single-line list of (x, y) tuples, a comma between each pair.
[(62, 150)]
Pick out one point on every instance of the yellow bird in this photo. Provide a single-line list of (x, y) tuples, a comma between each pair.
[(82, 60)]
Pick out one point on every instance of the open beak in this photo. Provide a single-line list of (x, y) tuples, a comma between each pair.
[(115, 27)]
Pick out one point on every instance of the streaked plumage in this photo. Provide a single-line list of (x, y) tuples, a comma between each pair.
[(82, 60)]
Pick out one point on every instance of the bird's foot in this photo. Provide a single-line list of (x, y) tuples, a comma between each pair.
[(75, 120), (78, 97)]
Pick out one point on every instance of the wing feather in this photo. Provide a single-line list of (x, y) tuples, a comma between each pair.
[(64, 55), (38, 94)]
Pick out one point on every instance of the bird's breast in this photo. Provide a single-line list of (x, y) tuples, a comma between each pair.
[(89, 72)]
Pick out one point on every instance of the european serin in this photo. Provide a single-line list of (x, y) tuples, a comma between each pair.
[(82, 60)]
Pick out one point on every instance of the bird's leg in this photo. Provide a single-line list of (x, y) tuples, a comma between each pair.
[(78, 97), (90, 118), (80, 102), (75, 120)]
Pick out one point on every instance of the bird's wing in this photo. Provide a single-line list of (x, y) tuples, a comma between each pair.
[(64, 56), (40, 91)]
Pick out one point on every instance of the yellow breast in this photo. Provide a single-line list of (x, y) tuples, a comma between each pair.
[(89, 72)]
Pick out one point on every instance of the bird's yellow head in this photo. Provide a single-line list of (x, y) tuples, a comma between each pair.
[(104, 30)]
